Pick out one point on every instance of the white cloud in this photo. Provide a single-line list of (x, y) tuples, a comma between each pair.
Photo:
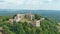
[(50, 0), (10, 3), (15, 1), (28, 4), (19, 3)]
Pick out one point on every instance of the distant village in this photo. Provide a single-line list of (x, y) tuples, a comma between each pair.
[(29, 17)]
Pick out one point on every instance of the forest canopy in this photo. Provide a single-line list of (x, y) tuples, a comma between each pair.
[(47, 26)]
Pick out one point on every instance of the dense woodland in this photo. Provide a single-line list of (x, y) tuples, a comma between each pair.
[(47, 26)]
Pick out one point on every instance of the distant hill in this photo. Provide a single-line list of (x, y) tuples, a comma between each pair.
[(55, 14)]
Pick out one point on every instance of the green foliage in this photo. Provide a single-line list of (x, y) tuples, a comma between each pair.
[(6, 30), (14, 15), (37, 16), (47, 26)]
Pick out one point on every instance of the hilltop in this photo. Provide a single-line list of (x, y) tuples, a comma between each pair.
[(46, 26)]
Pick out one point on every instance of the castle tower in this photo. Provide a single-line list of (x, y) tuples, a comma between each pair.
[(31, 16)]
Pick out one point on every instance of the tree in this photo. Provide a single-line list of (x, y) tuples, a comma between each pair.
[(37, 16), (20, 29), (6, 30)]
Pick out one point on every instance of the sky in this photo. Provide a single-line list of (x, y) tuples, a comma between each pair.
[(30, 4)]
